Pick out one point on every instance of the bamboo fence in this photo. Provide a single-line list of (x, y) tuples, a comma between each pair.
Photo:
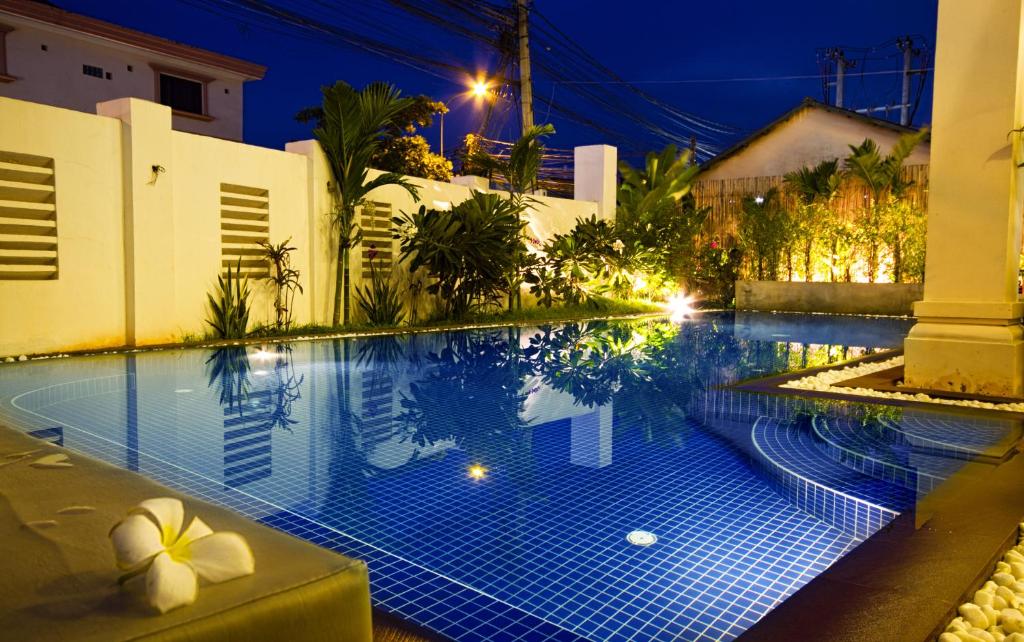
[(725, 197)]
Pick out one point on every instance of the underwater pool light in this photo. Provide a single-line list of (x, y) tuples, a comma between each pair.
[(262, 354), (476, 471), (641, 538)]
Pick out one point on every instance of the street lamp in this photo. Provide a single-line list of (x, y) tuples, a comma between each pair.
[(479, 88)]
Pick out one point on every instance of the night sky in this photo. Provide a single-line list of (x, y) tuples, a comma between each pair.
[(652, 40)]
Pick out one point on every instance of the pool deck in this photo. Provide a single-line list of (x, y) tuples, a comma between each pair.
[(905, 582)]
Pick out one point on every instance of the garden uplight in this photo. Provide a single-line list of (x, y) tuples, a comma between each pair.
[(679, 307)]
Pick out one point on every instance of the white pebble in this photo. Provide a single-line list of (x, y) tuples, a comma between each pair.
[(993, 616), (1012, 621), (973, 615), (1004, 579), (1007, 595)]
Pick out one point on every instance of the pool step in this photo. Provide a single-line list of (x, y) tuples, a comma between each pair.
[(962, 438), (877, 451), (845, 498)]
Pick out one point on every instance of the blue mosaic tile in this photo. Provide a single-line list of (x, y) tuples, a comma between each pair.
[(365, 447), (883, 454), (841, 496)]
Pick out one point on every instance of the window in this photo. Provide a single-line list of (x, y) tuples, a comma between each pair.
[(182, 94), (90, 70)]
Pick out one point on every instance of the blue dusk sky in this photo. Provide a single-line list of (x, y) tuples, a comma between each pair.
[(640, 40)]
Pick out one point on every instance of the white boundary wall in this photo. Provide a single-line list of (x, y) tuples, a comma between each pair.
[(138, 249)]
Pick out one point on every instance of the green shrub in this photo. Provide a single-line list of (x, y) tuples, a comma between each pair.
[(379, 300), (467, 252), (228, 308)]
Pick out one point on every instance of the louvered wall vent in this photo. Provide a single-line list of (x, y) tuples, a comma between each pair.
[(28, 218), (375, 219), (244, 222)]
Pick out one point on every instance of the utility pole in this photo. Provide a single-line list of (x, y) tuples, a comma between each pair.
[(525, 81), (906, 46), (842, 64)]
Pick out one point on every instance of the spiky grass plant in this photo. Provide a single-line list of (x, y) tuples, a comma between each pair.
[(228, 308)]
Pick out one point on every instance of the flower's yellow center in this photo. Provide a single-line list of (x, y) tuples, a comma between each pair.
[(180, 551)]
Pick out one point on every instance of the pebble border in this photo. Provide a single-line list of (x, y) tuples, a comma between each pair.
[(995, 614), (825, 382)]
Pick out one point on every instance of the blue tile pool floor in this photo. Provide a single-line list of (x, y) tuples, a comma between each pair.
[(581, 433)]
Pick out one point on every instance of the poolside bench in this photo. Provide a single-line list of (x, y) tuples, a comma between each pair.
[(59, 582)]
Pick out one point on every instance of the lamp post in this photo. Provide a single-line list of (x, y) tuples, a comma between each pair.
[(479, 89)]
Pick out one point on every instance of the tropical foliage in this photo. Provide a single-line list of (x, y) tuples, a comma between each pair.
[(379, 300), (402, 150), (228, 308), (658, 216), (467, 252), (765, 232), (283, 278), (351, 131), (815, 187), (880, 175)]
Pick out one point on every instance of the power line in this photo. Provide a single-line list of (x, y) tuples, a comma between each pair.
[(715, 80)]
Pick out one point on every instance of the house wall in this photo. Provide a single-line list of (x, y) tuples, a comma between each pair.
[(54, 76), (138, 250), (809, 137)]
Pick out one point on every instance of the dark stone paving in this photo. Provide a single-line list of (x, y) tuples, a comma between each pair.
[(905, 583)]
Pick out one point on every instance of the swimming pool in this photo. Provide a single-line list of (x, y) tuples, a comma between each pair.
[(507, 483)]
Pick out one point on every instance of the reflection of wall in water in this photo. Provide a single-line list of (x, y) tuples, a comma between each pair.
[(247, 439)]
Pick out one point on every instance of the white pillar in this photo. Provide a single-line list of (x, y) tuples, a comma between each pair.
[(591, 438), (594, 177), (968, 335), (319, 275), (147, 177)]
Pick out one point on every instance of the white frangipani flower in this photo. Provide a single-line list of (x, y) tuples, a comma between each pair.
[(150, 540), (618, 246)]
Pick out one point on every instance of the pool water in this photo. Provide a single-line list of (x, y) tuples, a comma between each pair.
[(490, 477)]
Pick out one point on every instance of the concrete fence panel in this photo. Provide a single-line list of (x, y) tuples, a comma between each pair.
[(837, 298), (114, 227)]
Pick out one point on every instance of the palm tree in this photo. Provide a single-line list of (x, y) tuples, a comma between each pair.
[(881, 176), (353, 126), (520, 170), (814, 187), (667, 177), (657, 212)]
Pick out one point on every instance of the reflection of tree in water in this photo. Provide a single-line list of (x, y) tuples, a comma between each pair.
[(254, 403), (471, 393), (230, 370), (285, 388)]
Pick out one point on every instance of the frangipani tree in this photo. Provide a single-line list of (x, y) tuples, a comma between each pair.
[(353, 125)]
